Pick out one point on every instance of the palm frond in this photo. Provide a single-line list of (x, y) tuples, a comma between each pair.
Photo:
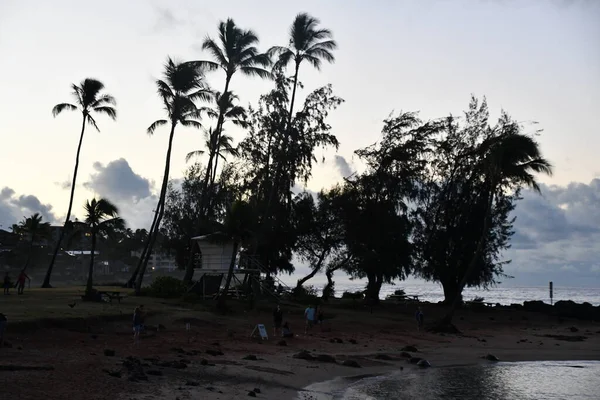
[(92, 122), (190, 123), (256, 71), (191, 154), (155, 125), (103, 100), (214, 49), (110, 111), (57, 109)]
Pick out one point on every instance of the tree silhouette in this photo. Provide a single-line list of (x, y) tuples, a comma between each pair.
[(32, 228), (183, 84), (89, 99), (101, 218)]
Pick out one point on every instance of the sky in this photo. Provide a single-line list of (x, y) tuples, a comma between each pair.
[(537, 59)]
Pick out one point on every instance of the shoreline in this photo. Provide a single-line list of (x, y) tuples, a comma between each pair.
[(64, 348)]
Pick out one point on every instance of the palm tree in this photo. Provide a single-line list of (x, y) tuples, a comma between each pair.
[(183, 85), (234, 51), (509, 161), (236, 228), (101, 218), (33, 228), (224, 104), (307, 43), (89, 99)]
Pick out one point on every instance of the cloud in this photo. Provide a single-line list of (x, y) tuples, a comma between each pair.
[(129, 191), (342, 166), (14, 208), (166, 20), (116, 181), (64, 185), (557, 233)]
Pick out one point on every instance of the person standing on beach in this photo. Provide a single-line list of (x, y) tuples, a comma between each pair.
[(309, 314), (137, 324), (6, 284), (277, 320), (419, 317), (21, 281)]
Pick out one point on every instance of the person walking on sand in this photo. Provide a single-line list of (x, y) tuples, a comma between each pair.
[(6, 284), (137, 324), (419, 317), (309, 314), (21, 281), (277, 320)]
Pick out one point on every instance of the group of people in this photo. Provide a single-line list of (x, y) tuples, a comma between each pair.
[(313, 315), (20, 285)]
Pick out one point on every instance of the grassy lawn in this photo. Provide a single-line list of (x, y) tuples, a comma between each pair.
[(53, 303)]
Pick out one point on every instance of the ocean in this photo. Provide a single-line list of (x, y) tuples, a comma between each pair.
[(540, 380), (504, 295)]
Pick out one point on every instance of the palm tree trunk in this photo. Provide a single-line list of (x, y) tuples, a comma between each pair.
[(159, 211), (223, 295), (30, 252), (131, 282), (88, 286), (213, 154), (46, 283), (189, 268), (473, 263)]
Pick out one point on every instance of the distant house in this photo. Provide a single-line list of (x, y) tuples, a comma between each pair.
[(159, 261)]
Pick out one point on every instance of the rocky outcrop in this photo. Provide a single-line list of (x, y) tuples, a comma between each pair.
[(565, 309)]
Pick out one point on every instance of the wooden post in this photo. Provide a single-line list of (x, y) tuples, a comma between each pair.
[(551, 292)]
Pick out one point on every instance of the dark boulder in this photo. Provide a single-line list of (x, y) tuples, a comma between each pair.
[(326, 358), (351, 363), (491, 357), (304, 355), (423, 364)]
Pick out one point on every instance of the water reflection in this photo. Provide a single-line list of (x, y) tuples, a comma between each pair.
[(502, 381)]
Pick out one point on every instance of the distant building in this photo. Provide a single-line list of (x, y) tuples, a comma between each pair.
[(159, 261)]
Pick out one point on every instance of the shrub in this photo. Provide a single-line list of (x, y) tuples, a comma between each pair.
[(166, 287), (359, 295), (305, 294)]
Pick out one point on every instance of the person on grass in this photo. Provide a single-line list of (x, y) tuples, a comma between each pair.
[(277, 319), (21, 281), (6, 284), (309, 314), (286, 332), (137, 323), (419, 317)]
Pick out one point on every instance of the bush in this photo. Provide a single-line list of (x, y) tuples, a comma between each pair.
[(353, 295), (166, 287), (305, 294)]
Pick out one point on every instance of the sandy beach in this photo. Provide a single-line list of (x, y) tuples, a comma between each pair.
[(60, 358)]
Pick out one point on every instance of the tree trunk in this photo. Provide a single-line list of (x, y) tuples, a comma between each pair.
[(88, 286), (373, 288), (316, 268), (213, 154), (131, 282), (328, 289), (278, 171), (159, 211), (46, 283), (223, 295), (30, 252), (473, 263), (189, 268), (450, 287)]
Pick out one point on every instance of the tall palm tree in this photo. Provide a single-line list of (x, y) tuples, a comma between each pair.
[(89, 99), (183, 84), (33, 228), (235, 50), (308, 43), (101, 218), (509, 161)]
